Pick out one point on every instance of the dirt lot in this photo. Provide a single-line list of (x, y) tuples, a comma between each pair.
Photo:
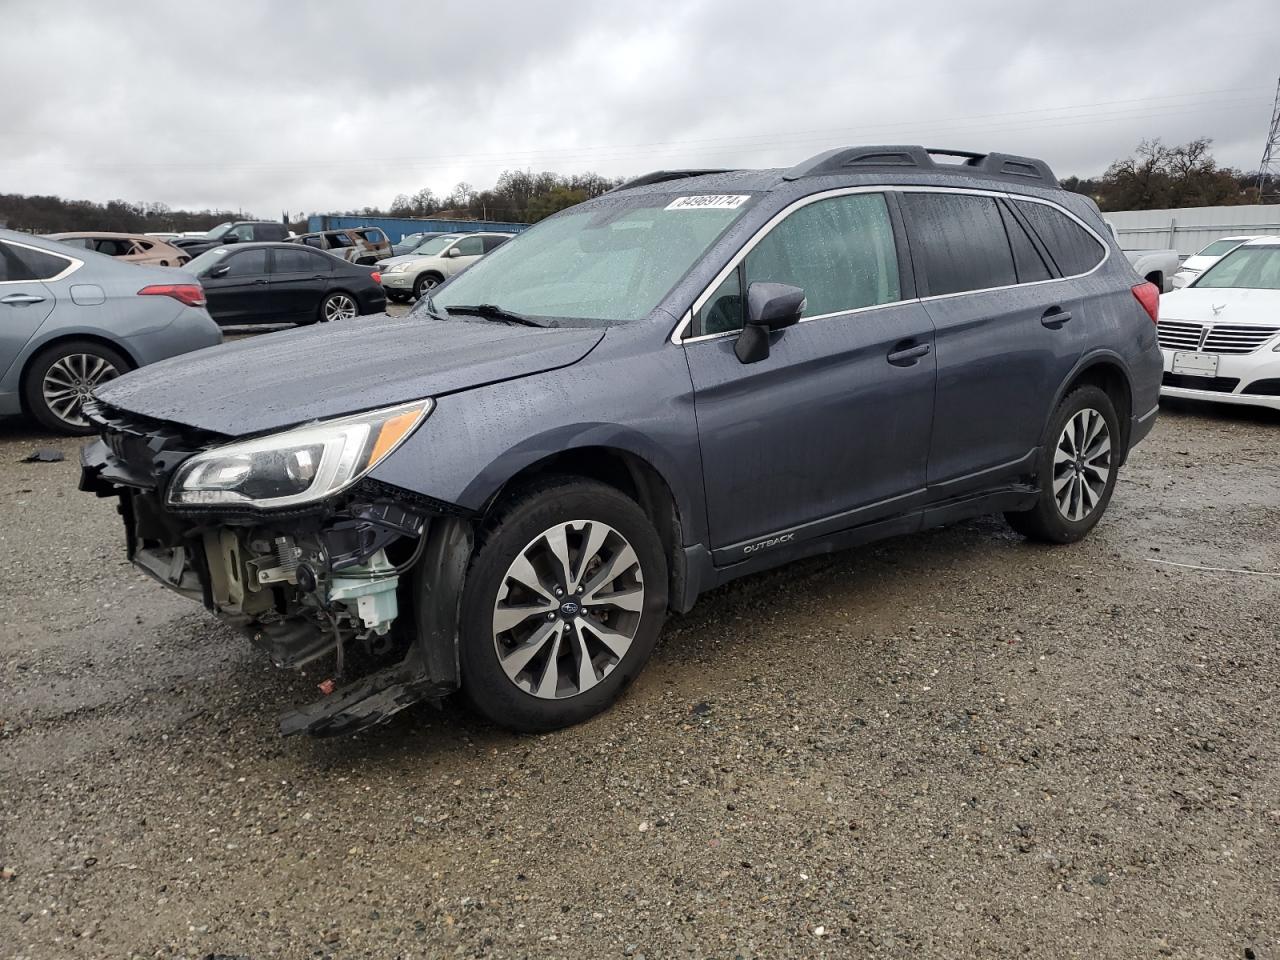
[(954, 744)]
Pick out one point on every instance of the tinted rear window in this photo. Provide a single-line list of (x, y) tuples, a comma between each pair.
[(23, 263), (1031, 266), (958, 242), (271, 231), (1068, 243)]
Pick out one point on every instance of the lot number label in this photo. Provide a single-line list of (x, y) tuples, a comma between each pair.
[(713, 202)]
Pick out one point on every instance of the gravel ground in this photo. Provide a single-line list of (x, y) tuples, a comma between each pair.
[(954, 744)]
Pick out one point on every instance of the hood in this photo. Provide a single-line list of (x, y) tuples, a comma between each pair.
[(277, 380), (402, 258), (1242, 307)]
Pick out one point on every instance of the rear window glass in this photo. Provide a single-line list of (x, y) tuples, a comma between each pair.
[(1026, 258), (1219, 247), (958, 242), (23, 263), (1068, 243)]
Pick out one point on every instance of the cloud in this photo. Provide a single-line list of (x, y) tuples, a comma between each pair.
[(326, 105)]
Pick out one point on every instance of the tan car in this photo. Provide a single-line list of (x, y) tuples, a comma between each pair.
[(360, 245), (130, 247)]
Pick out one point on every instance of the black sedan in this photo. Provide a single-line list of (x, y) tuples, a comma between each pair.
[(284, 283)]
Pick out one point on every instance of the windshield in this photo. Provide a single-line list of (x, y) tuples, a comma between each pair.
[(429, 248), (1246, 268), (198, 265), (217, 232), (609, 261), (1219, 247)]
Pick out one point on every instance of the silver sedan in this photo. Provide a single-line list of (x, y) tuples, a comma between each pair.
[(71, 319)]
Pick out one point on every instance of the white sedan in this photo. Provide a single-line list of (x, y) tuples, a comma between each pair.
[(1198, 263), (1221, 335)]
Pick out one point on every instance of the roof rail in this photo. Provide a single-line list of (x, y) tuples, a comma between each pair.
[(1003, 166), (661, 176)]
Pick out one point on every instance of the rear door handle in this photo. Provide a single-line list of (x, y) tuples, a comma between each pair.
[(21, 299), (1055, 317), (907, 353)]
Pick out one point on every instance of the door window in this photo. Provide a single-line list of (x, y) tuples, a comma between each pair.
[(840, 251), (338, 240), (247, 264), (469, 247), (1070, 245), (23, 263), (958, 242), (295, 261), (243, 232), (493, 243)]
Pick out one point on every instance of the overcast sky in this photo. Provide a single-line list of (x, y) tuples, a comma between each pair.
[(315, 106)]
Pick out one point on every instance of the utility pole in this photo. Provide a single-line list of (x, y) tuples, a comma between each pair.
[(1269, 171)]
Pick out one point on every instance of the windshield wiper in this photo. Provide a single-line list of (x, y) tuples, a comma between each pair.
[(491, 311), (427, 306)]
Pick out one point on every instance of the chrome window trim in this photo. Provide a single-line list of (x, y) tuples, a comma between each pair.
[(686, 321), (73, 263)]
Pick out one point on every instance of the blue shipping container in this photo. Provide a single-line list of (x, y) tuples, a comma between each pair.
[(397, 228)]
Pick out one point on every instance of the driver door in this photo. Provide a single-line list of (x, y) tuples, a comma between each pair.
[(464, 253), (832, 429)]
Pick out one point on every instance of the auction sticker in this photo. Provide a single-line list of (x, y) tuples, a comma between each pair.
[(711, 202)]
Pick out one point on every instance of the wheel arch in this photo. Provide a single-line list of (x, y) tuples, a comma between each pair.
[(1108, 372), (627, 471)]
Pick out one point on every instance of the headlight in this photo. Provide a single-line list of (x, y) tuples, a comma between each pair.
[(399, 268), (297, 466)]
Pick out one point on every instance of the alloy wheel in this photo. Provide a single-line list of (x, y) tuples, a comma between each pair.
[(70, 381), (339, 307), (568, 609), (1082, 464)]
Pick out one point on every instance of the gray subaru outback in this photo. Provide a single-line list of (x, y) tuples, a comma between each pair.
[(700, 375)]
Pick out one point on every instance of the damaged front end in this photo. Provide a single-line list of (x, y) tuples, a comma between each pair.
[(286, 539)]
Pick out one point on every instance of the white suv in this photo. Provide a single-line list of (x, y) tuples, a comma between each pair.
[(435, 262)]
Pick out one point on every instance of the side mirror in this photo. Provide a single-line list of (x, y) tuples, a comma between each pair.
[(220, 271), (770, 307), (230, 238), (451, 252)]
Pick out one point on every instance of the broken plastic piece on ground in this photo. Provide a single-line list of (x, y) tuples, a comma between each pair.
[(44, 455), (328, 686)]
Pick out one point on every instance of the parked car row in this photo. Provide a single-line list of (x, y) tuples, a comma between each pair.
[(130, 247), (363, 245)]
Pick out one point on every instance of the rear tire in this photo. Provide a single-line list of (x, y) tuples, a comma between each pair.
[(338, 305), (1077, 469), (60, 379), (563, 604)]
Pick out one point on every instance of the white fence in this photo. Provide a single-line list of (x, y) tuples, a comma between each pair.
[(1191, 228)]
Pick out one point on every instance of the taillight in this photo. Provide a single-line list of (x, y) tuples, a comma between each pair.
[(192, 294), (377, 277), (1148, 294)]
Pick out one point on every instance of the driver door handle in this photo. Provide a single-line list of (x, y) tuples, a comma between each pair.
[(907, 353), (21, 299)]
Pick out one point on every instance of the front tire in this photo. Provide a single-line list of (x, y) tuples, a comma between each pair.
[(563, 604), (425, 283), (62, 377), (1077, 470), (395, 296)]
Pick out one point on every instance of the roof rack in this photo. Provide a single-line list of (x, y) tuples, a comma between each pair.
[(1003, 166), (661, 176)]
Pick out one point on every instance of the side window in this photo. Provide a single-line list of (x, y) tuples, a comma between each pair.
[(493, 243), (839, 251), (958, 242), (247, 264), (84, 243), (316, 242), (23, 263), (338, 240), (1026, 258), (1070, 245), (243, 233), (270, 231), (470, 246), (294, 261)]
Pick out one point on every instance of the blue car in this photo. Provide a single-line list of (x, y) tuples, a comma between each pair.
[(699, 375), (72, 319)]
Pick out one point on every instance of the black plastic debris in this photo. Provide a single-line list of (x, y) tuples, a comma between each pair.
[(44, 455)]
